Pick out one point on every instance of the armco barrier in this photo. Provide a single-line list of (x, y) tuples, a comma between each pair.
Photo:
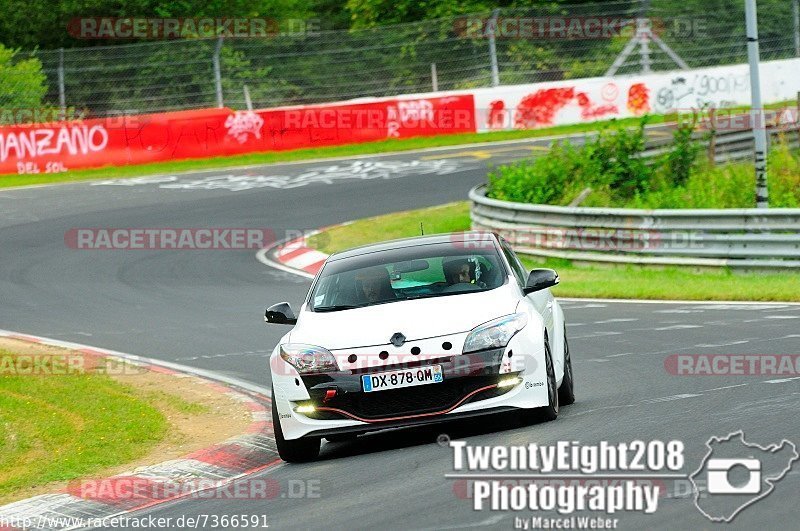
[(745, 238), (47, 148)]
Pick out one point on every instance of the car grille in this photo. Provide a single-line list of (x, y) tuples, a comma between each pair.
[(417, 400)]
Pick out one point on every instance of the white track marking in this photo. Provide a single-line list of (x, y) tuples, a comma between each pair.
[(712, 345), (782, 380), (306, 259), (210, 375), (262, 256), (493, 520), (725, 387), (669, 398), (597, 334), (721, 305)]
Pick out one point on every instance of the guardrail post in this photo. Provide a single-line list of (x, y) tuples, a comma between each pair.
[(712, 138), (493, 48), (796, 119), (217, 73), (434, 78)]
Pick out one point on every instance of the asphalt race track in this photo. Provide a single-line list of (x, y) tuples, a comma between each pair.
[(205, 308)]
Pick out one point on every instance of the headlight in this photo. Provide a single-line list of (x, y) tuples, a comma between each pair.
[(496, 333), (308, 358)]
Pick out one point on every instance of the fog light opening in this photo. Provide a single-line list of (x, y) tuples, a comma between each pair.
[(305, 409), (509, 382)]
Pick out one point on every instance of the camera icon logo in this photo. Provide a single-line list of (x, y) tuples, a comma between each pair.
[(719, 480), (735, 474)]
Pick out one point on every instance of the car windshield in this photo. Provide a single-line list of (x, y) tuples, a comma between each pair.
[(432, 270)]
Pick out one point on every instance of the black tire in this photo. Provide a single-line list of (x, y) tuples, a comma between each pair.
[(566, 393), (344, 437), (295, 451), (550, 411)]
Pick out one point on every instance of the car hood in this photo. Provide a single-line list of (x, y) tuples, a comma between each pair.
[(415, 319)]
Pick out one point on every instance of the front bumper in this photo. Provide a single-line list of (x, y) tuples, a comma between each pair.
[(467, 378), (469, 388)]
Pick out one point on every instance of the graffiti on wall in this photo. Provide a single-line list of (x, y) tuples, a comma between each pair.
[(701, 90), (584, 100)]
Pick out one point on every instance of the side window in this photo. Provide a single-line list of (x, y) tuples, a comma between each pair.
[(516, 267)]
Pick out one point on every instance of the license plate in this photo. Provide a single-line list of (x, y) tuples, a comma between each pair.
[(383, 381)]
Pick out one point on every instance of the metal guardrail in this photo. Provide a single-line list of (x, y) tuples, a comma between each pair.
[(737, 238), (736, 143)]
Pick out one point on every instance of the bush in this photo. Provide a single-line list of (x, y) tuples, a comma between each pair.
[(610, 161), (611, 166), (680, 159), (23, 85)]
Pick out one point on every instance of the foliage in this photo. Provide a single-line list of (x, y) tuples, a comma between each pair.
[(22, 83), (680, 159), (610, 162), (611, 165), (367, 58)]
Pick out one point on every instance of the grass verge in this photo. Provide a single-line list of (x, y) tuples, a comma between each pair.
[(63, 416), (612, 282)]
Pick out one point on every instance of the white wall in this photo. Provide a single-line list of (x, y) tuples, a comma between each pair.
[(584, 100)]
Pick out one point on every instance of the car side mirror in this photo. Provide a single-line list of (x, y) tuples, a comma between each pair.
[(540, 279), (280, 313)]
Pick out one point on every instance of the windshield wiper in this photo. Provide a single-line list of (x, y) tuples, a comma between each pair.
[(421, 296), (335, 308)]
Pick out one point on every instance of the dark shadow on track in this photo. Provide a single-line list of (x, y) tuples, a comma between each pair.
[(432, 434)]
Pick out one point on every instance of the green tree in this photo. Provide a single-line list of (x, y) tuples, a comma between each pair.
[(22, 83), (29, 24)]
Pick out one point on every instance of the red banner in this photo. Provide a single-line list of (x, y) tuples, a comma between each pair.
[(57, 147)]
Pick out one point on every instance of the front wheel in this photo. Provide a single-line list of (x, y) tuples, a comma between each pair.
[(566, 393), (298, 450), (550, 411)]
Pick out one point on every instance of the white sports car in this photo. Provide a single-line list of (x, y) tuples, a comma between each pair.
[(415, 331)]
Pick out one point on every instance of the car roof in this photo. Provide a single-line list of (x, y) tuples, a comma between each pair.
[(467, 236)]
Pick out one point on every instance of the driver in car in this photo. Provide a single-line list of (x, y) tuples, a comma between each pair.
[(459, 271), (375, 285)]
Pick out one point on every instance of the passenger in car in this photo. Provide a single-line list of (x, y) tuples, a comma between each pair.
[(375, 285)]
